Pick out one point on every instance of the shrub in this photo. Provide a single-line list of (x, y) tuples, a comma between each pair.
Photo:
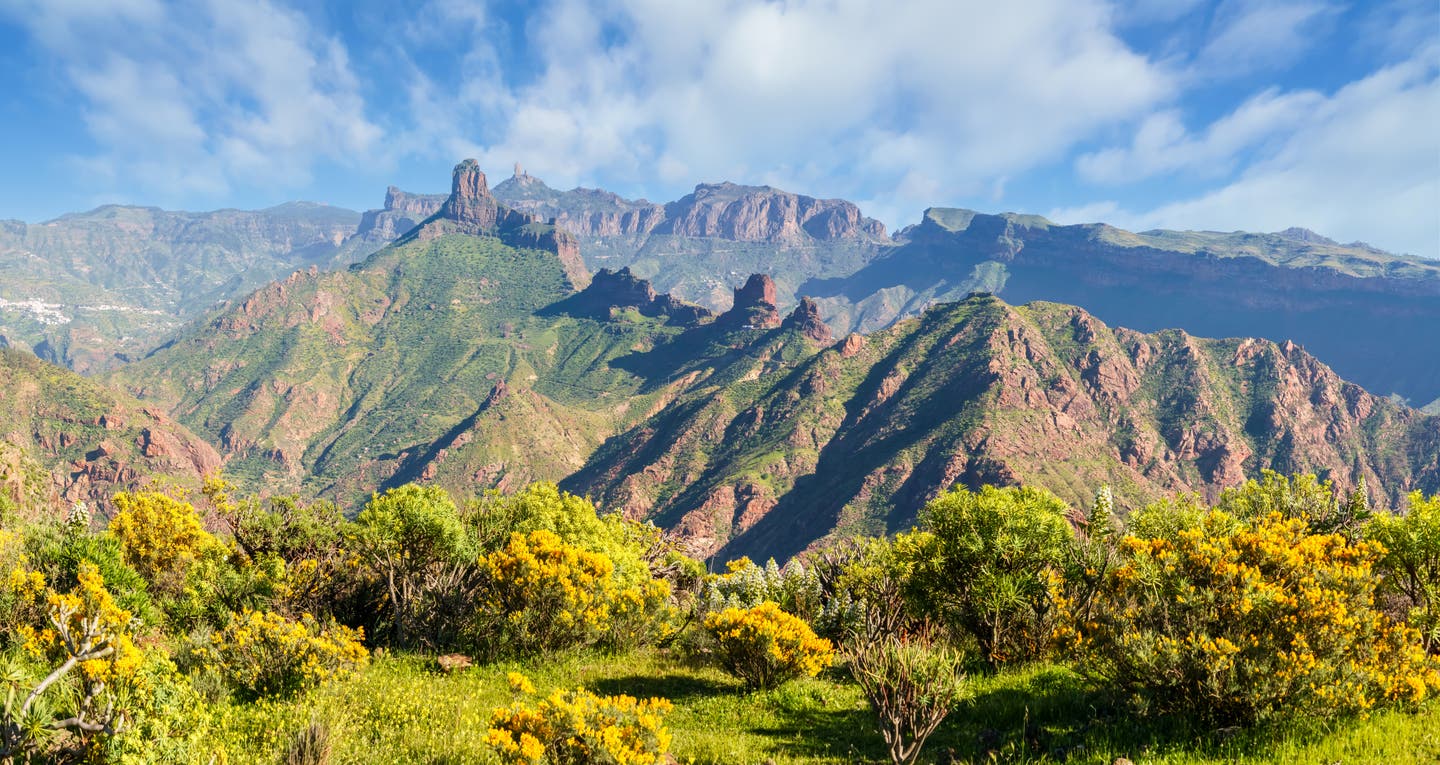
[(543, 506), (580, 728), (911, 686), (265, 654), (541, 594), (93, 657), (1238, 621), (413, 541), (161, 537), (990, 567), (794, 588), (765, 647), (1411, 563)]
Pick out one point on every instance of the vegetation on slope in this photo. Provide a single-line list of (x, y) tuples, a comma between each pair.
[(529, 628)]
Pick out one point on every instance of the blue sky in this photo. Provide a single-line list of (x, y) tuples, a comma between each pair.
[(1143, 113)]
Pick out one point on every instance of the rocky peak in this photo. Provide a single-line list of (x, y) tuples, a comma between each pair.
[(754, 305), (806, 318), (765, 214), (1297, 234), (470, 203), (622, 287)]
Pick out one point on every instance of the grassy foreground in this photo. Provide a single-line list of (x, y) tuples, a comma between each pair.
[(401, 710)]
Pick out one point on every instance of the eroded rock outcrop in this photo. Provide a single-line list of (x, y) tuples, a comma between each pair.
[(806, 319), (621, 289), (764, 214), (754, 306)]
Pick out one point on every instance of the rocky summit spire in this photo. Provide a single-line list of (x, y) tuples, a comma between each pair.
[(470, 203), (806, 318), (754, 304)]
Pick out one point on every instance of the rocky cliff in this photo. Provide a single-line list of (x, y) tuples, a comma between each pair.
[(402, 212), (86, 441)]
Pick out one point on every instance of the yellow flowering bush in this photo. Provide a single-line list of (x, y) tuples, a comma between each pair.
[(264, 653), (88, 627), (765, 647), (579, 728), (542, 594), (88, 643), (161, 537), (22, 589), (1238, 621)]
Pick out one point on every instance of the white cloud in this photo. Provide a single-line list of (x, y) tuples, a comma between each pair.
[(1361, 164), (1163, 145), (917, 103), (195, 97), (1251, 35)]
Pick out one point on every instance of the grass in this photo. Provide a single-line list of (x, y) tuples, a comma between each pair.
[(401, 710)]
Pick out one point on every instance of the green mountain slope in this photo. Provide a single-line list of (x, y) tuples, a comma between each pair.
[(433, 359), (856, 438), (65, 438)]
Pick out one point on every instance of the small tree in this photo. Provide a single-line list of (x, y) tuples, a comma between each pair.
[(1411, 563), (88, 640), (911, 685), (412, 538), (990, 565)]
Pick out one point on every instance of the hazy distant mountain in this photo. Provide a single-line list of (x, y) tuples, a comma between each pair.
[(1366, 313), (700, 246), (85, 287)]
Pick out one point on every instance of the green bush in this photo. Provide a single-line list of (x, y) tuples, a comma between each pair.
[(420, 553), (1411, 563), (989, 566)]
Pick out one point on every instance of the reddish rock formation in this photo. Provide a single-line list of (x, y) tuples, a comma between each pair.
[(754, 306), (764, 214), (806, 318)]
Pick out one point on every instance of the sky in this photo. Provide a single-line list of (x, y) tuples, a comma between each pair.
[(1183, 114)]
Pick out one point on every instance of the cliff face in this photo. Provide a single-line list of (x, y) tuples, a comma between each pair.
[(764, 214), (402, 211), (694, 248), (86, 441), (857, 438)]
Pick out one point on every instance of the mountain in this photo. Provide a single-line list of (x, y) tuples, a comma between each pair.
[(856, 438), (435, 358), (1366, 313), (697, 247), (90, 290), (66, 438), (479, 350)]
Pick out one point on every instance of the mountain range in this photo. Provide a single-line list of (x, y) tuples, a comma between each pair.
[(490, 338)]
